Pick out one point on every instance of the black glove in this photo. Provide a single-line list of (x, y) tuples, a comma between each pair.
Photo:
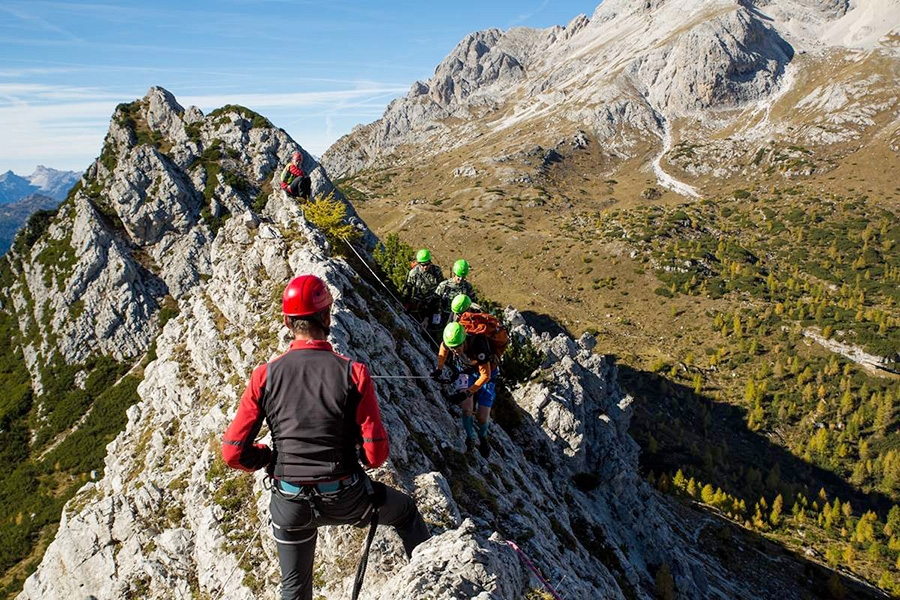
[(457, 398), (436, 374)]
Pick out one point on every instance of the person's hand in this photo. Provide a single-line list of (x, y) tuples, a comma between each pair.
[(437, 374), (266, 459)]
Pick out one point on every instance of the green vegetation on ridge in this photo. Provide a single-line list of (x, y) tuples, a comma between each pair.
[(49, 442), (761, 423)]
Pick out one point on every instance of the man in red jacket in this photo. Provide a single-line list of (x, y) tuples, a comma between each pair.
[(294, 180), (324, 418)]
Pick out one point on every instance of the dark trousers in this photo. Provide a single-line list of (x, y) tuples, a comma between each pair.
[(294, 525), (426, 312), (300, 187)]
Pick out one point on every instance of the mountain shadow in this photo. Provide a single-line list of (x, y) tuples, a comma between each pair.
[(543, 323), (680, 429), (768, 568)]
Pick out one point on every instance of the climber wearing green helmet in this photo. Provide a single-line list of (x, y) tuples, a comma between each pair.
[(453, 287), (419, 296), (460, 304), (478, 362)]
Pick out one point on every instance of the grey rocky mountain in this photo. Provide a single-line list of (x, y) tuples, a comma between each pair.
[(166, 519), (14, 187), (20, 197), (45, 181), (53, 182), (638, 74)]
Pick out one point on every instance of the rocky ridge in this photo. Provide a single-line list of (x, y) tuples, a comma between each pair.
[(86, 287), (640, 75), (168, 520), (138, 227)]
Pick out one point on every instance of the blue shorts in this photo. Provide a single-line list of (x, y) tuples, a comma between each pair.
[(488, 392)]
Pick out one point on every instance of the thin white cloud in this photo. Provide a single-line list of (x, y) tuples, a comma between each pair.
[(29, 71), (295, 100), (24, 93), (526, 16), (64, 126), (39, 22)]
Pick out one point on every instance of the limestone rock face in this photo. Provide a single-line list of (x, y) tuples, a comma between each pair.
[(636, 71), (169, 520), (138, 230), (629, 64)]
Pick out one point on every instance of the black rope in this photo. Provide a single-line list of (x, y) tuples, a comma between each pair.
[(378, 279), (364, 560)]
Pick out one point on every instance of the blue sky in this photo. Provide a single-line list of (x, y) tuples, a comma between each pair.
[(314, 68)]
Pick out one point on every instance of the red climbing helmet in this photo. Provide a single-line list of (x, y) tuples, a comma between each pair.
[(305, 296), (296, 156)]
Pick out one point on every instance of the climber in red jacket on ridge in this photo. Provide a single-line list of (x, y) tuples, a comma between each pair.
[(323, 414), (294, 180)]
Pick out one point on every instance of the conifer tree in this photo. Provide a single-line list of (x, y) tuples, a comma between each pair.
[(758, 521), (865, 528), (892, 526), (719, 498), (775, 516), (847, 510), (707, 494), (679, 481)]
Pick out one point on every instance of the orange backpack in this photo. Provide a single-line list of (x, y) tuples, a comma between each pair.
[(489, 326)]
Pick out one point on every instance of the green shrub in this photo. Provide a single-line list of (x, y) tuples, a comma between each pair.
[(520, 360), (330, 217), (37, 224), (394, 256), (256, 119)]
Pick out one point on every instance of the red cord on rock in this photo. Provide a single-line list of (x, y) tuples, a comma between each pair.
[(534, 570)]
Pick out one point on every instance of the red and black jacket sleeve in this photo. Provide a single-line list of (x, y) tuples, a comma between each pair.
[(238, 449), (374, 437)]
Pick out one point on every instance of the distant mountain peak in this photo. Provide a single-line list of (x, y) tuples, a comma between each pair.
[(45, 180)]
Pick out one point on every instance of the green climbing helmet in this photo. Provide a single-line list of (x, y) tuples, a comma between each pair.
[(423, 256), (460, 304), (454, 335), (461, 268)]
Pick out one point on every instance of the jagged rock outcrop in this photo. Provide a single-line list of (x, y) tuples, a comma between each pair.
[(139, 226), (638, 73), (168, 520)]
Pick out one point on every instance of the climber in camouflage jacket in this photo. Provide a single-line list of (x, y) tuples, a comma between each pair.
[(449, 289), (419, 293)]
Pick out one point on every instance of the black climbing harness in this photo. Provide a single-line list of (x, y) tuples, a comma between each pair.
[(306, 494)]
